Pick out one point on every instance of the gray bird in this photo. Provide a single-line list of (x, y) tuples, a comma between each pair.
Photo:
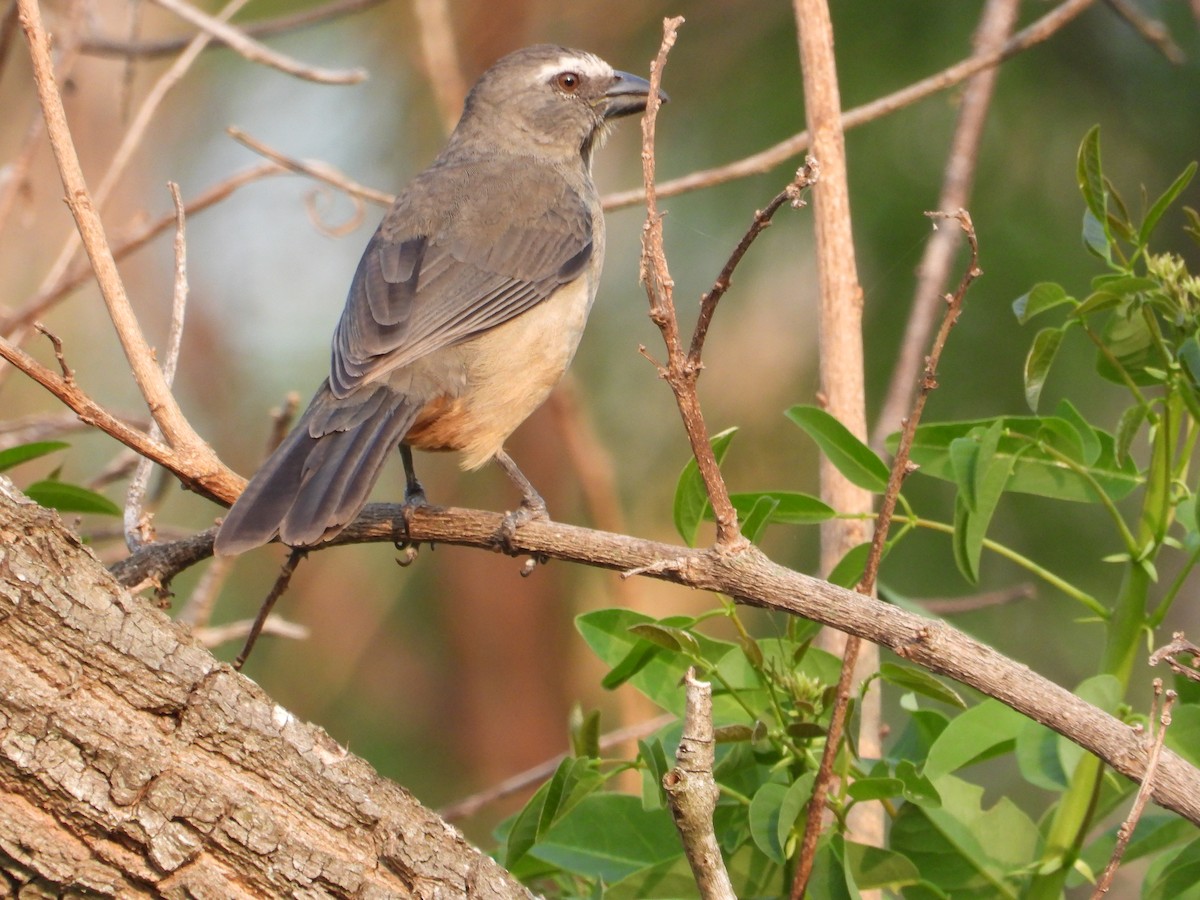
[(467, 305)]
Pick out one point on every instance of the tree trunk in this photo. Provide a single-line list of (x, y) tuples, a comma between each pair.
[(134, 764)]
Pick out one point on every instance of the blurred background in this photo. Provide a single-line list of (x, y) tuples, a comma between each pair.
[(456, 672)]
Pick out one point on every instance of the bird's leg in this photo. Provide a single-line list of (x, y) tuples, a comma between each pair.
[(532, 505), (414, 496)]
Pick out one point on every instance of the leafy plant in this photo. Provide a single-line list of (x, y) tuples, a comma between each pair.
[(772, 695), (52, 492)]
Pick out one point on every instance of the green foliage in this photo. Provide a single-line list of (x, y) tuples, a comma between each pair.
[(51, 492), (772, 695)]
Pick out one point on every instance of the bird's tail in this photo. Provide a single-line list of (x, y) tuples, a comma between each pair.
[(319, 478)]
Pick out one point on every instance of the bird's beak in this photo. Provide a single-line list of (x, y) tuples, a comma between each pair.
[(627, 95)]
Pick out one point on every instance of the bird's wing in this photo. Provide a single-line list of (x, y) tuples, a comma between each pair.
[(459, 254)]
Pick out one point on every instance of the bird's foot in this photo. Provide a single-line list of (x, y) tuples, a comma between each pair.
[(532, 509), (414, 499)]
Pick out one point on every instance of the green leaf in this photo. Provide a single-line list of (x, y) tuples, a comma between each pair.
[(1034, 471), (755, 522), (609, 836), (1041, 297), (654, 756), (584, 732), (917, 788), (1127, 429), (1038, 361), (980, 733), (860, 465), (1089, 438), (875, 788), (1135, 348), (850, 569), (670, 637), (1090, 175), (966, 850), (1163, 203), (910, 678), (1189, 355), (1095, 237), (1037, 757), (1179, 879), (607, 633), (70, 498), (774, 810), (874, 868), (629, 665), (572, 780), (691, 499), (792, 508), (14, 456), (981, 475)]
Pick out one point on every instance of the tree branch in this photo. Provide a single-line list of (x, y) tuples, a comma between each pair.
[(754, 580)]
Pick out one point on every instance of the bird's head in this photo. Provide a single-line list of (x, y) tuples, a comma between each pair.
[(550, 100)]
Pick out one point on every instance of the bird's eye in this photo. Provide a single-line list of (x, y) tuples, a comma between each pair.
[(568, 81)]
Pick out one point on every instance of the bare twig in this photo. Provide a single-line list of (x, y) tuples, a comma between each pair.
[(321, 171), (440, 56), (468, 806), (281, 584), (805, 178), (692, 792), (80, 273), (679, 372), (276, 626), (1179, 645), (1154, 754), (1152, 31), (138, 527), (256, 52), (758, 163), (899, 471), (147, 374), (995, 26), (222, 486), (100, 45), (951, 606)]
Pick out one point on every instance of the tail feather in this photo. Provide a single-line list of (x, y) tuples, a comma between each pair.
[(319, 478)]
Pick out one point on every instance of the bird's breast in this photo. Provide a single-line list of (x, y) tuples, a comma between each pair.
[(505, 374)]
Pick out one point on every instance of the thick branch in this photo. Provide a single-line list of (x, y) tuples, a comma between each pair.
[(755, 580), (168, 774)]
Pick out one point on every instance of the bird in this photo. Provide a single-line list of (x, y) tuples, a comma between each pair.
[(466, 307)]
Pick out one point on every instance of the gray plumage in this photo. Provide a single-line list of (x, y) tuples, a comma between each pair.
[(467, 305)]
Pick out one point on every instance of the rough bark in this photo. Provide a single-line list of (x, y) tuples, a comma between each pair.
[(134, 764)]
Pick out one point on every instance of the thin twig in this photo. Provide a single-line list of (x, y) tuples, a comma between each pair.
[(1152, 31), (264, 611), (321, 171), (805, 178), (238, 41), (692, 792), (952, 606), (1154, 754), (764, 161), (468, 806), (899, 471), (933, 273), (146, 373), (221, 486), (215, 635), (81, 273), (138, 526), (1179, 645), (99, 45), (679, 372)]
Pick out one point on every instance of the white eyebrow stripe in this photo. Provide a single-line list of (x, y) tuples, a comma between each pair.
[(589, 65)]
